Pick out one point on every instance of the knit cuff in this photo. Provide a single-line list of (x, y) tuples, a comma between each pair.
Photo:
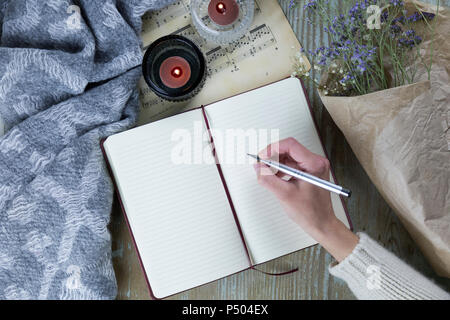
[(372, 272)]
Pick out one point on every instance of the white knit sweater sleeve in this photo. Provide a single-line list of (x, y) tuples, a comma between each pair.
[(373, 272)]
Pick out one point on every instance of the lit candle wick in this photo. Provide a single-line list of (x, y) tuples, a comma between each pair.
[(176, 72), (221, 8)]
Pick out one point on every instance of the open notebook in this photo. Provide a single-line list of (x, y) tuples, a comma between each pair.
[(179, 208)]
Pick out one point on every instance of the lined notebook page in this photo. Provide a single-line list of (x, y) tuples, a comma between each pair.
[(268, 231), (179, 214)]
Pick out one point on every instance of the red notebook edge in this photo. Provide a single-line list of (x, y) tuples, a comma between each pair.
[(325, 152), (103, 140)]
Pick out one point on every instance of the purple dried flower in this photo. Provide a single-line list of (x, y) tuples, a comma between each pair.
[(395, 29), (417, 16), (311, 5), (428, 15), (384, 16), (353, 47), (397, 3), (409, 39), (400, 19)]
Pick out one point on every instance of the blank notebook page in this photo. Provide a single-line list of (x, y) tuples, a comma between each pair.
[(268, 231), (179, 213)]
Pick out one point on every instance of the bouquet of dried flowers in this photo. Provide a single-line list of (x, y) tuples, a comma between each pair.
[(374, 45), (385, 82)]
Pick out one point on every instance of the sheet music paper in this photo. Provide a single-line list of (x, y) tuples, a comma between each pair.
[(179, 214), (268, 231), (262, 56)]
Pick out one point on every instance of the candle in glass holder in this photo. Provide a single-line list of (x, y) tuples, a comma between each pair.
[(174, 68), (223, 12), (175, 72)]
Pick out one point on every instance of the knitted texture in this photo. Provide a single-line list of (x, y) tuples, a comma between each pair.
[(68, 77), (372, 272)]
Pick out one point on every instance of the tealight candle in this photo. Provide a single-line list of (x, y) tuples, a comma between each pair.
[(223, 12), (228, 20), (175, 72), (174, 68)]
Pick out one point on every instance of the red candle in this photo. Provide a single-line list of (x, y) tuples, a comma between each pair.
[(223, 12), (175, 72)]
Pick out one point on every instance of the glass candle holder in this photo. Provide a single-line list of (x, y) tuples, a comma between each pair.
[(174, 68), (222, 21)]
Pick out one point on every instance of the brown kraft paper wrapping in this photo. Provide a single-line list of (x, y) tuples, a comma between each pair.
[(401, 137)]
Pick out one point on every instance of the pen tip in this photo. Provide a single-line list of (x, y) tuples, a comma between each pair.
[(253, 156)]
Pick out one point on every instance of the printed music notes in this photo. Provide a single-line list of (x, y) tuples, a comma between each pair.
[(159, 18), (261, 56)]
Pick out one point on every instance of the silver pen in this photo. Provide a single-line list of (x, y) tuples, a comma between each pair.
[(305, 176)]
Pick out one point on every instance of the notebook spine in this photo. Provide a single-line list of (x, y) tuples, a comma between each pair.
[(224, 183)]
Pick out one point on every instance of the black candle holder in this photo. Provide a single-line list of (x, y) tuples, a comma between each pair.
[(174, 68)]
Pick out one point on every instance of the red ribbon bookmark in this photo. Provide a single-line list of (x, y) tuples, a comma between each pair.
[(276, 274)]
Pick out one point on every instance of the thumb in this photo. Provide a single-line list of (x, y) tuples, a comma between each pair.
[(269, 180)]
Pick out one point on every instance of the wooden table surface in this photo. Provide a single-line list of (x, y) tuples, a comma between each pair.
[(368, 211)]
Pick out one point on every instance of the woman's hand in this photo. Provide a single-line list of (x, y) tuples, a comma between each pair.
[(306, 204)]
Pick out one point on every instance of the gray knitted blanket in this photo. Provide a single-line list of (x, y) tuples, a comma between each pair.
[(68, 77)]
